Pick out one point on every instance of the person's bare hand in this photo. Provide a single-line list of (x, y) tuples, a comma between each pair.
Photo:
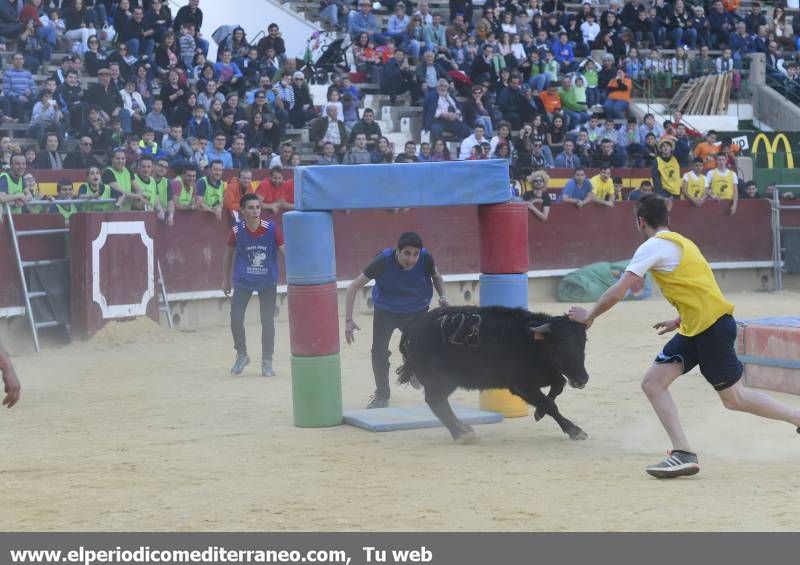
[(667, 326), (349, 327), (11, 386), (580, 315)]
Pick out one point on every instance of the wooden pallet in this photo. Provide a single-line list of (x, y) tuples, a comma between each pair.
[(708, 95)]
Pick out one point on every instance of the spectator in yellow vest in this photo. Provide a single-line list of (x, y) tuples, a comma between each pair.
[(723, 183)]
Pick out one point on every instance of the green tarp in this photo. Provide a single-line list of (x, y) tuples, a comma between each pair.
[(588, 283)]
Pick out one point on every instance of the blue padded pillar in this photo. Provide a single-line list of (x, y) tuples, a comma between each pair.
[(504, 290), (310, 249)]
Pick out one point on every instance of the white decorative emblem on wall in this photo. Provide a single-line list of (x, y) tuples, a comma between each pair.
[(122, 310)]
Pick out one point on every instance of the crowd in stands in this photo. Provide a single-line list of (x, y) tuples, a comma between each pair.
[(513, 80)]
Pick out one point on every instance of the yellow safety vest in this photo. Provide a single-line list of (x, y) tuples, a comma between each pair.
[(691, 288), (695, 185), (722, 184), (670, 173)]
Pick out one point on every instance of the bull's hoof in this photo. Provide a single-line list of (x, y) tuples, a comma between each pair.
[(538, 414), (468, 438), (577, 434)]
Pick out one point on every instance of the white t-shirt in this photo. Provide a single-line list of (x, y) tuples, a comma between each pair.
[(657, 254), (691, 175)]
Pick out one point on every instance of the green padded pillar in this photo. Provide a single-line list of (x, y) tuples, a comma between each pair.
[(317, 391)]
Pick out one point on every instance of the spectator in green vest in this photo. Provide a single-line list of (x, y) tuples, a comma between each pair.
[(162, 188), (211, 189), (154, 190), (184, 190), (118, 177), (12, 190), (94, 189), (64, 191)]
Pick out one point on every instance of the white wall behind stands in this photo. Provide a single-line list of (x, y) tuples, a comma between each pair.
[(254, 16)]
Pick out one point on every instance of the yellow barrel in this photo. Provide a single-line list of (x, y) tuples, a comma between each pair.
[(502, 401)]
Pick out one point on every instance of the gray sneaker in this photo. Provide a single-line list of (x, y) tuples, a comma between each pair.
[(266, 368), (377, 402), (677, 464), (242, 361)]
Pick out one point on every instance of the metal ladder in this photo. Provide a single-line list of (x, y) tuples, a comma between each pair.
[(163, 302), (22, 265)]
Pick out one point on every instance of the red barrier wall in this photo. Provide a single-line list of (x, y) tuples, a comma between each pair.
[(31, 248), (112, 269), (191, 250)]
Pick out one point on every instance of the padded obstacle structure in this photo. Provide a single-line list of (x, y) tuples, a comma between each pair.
[(404, 185), (311, 262), (317, 391), (770, 351), (313, 319), (504, 282)]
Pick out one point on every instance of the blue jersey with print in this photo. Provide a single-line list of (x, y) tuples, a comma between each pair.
[(256, 262)]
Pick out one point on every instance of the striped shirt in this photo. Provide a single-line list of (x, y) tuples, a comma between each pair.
[(18, 83)]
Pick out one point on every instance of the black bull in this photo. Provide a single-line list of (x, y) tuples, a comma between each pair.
[(493, 347)]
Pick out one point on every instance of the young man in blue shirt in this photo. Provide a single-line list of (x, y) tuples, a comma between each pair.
[(404, 281), (251, 265)]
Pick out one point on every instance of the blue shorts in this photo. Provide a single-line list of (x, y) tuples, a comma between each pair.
[(713, 349)]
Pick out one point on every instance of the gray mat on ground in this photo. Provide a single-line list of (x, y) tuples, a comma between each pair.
[(413, 417)]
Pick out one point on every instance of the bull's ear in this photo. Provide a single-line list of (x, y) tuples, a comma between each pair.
[(538, 332)]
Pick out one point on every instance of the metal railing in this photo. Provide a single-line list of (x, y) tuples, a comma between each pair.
[(777, 247)]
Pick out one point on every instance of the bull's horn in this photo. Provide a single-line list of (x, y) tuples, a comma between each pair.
[(543, 329)]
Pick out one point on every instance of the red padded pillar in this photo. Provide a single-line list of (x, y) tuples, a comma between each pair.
[(313, 320), (504, 238)]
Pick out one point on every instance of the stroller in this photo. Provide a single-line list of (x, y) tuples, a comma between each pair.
[(331, 58)]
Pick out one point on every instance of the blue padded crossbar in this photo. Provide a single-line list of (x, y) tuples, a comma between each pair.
[(401, 185), (770, 362), (413, 418), (779, 321)]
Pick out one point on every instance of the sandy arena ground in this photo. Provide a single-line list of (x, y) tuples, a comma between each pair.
[(143, 429)]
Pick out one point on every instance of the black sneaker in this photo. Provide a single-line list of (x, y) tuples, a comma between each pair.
[(377, 402), (266, 368), (677, 464), (242, 361)]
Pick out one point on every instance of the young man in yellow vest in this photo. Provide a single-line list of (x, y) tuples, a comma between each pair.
[(723, 184), (666, 172), (694, 186), (706, 332), (93, 189)]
